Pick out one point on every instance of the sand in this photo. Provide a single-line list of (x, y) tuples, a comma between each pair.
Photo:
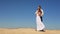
[(26, 31)]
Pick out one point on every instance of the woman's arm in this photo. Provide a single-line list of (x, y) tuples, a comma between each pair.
[(36, 11)]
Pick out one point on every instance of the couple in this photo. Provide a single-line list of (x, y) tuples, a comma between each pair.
[(39, 21)]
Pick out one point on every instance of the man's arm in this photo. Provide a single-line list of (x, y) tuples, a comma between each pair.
[(42, 12)]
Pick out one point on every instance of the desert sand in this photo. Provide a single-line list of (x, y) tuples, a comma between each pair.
[(26, 31)]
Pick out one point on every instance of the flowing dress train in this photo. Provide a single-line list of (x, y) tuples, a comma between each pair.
[(40, 25)]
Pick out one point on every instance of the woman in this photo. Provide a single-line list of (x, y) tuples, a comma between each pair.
[(39, 14)]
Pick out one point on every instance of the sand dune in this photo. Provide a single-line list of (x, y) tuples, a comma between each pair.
[(26, 31)]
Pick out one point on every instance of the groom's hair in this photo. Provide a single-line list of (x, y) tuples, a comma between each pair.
[(39, 6)]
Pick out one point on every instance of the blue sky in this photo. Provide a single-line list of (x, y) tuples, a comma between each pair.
[(20, 13)]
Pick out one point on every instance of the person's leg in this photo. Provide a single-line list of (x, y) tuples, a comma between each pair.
[(41, 18)]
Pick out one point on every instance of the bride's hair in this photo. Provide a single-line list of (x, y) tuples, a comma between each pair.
[(39, 9)]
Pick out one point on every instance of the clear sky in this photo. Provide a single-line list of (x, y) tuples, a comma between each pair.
[(20, 13)]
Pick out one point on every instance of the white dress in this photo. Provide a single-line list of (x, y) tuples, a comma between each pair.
[(40, 25)]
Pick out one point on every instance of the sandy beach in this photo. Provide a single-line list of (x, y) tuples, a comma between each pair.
[(26, 31)]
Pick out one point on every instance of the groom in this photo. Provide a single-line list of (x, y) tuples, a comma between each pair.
[(41, 16)]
